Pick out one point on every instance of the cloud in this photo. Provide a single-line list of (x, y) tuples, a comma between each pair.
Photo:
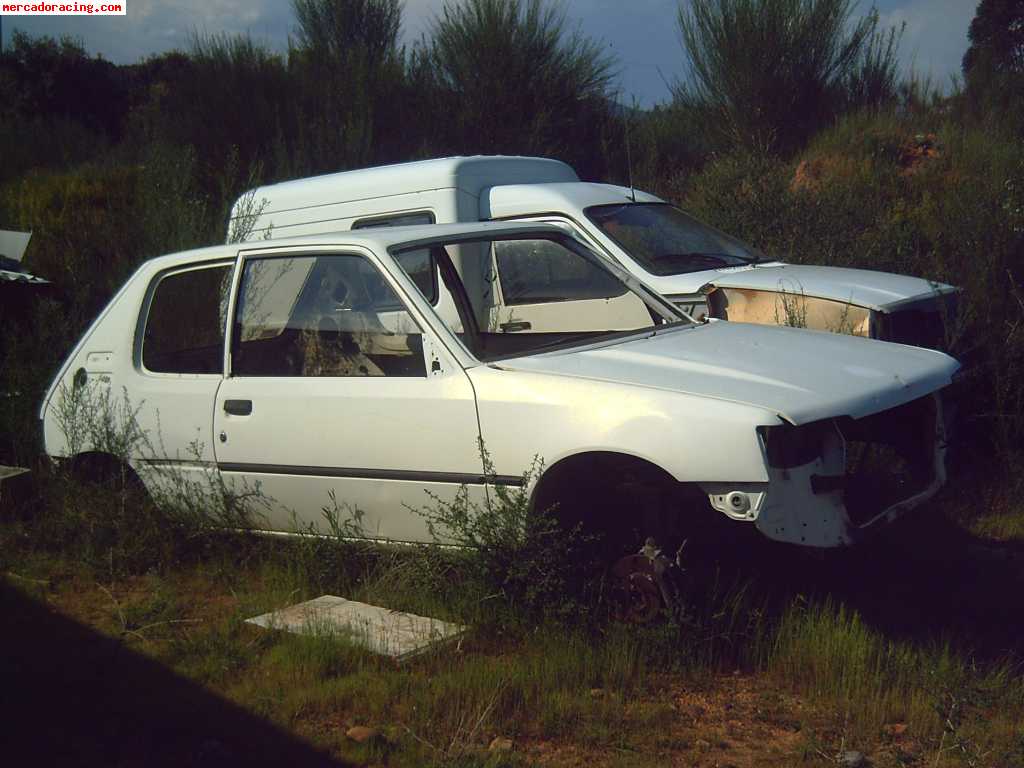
[(936, 36)]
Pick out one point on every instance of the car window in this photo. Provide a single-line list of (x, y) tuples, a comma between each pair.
[(538, 271), (333, 315), (418, 265), (568, 296), (184, 331)]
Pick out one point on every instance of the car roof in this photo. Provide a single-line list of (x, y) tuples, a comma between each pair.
[(378, 239)]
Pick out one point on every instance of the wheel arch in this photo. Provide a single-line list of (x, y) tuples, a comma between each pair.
[(554, 478), (102, 466)]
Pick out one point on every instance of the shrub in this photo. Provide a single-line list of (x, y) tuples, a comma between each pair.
[(772, 72), (510, 78), (347, 75), (521, 556)]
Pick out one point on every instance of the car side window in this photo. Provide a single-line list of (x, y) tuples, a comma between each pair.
[(418, 265), (333, 315), (540, 271), (184, 331)]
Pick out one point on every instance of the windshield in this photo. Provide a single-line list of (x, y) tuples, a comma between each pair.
[(515, 295), (666, 241)]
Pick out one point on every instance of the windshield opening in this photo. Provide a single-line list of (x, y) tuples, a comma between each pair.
[(516, 295), (666, 241)]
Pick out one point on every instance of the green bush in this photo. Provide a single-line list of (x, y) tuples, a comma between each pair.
[(943, 202), (773, 72), (509, 77), (520, 556)]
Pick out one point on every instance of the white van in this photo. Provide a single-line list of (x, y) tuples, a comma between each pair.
[(701, 270)]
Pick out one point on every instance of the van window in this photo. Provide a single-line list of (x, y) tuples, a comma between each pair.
[(399, 220), (330, 315), (185, 325), (418, 265)]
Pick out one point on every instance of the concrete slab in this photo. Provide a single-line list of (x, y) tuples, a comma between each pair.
[(381, 630)]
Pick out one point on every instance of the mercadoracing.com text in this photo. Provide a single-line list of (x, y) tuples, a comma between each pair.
[(63, 9)]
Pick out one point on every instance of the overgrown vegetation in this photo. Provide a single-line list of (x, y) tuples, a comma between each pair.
[(806, 676), (771, 73), (911, 658)]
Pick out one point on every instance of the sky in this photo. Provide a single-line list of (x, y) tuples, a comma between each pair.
[(642, 34)]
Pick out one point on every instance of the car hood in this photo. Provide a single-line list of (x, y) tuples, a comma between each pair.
[(801, 375), (880, 291)]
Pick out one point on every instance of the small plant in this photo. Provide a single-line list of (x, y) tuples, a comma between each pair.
[(950, 709), (519, 555), (98, 507), (794, 309)]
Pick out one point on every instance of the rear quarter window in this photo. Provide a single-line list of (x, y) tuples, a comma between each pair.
[(184, 327)]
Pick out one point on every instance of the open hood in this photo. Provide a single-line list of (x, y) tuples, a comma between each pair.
[(803, 376), (879, 291)]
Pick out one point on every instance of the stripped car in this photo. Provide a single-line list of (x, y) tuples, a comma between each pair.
[(315, 366)]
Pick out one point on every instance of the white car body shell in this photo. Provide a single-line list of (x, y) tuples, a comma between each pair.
[(690, 400)]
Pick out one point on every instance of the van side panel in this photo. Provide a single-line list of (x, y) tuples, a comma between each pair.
[(318, 219)]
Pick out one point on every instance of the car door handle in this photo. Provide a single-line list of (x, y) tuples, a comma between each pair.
[(238, 407), (515, 325)]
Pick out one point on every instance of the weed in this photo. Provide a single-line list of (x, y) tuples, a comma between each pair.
[(521, 556), (794, 308), (96, 506)]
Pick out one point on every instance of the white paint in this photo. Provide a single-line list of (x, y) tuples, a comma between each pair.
[(13, 244)]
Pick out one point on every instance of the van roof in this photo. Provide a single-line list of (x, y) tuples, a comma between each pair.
[(469, 174), (528, 199)]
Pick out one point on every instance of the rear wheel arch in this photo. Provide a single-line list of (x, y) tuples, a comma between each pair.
[(101, 468)]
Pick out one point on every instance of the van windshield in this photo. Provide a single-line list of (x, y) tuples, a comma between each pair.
[(666, 241), (511, 296)]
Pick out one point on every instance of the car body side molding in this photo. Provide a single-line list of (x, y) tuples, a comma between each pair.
[(457, 478)]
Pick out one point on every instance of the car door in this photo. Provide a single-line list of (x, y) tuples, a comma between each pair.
[(337, 388), (180, 359)]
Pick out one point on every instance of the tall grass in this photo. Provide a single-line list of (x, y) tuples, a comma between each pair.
[(827, 652)]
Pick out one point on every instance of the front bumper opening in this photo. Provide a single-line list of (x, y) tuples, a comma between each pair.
[(889, 458), (835, 481)]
